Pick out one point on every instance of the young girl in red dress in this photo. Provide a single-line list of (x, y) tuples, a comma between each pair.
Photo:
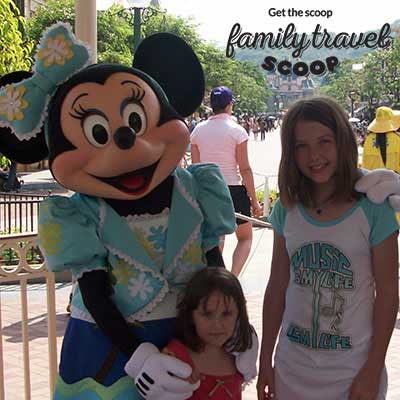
[(212, 317)]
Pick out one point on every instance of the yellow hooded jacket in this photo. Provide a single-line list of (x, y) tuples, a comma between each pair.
[(372, 158)]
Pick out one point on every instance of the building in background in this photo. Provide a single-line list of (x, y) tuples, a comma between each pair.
[(27, 7), (287, 88)]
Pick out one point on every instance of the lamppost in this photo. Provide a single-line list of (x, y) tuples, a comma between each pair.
[(352, 96), (396, 89), (139, 12)]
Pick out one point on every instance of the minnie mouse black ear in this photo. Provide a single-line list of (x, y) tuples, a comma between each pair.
[(170, 61), (22, 151)]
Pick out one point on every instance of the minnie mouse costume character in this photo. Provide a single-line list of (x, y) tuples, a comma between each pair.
[(137, 227)]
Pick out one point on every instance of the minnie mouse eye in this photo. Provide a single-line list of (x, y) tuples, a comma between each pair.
[(97, 130), (134, 117)]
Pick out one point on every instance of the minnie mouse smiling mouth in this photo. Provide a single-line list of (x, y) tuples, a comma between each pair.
[(135, 182)]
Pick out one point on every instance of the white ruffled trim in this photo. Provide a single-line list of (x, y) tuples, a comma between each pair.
[(196, 231), (43, 116), (189, 198), (132, 219), (164, 290), (84, 270), (82, 315), (179, 254), (160, 295), (37, 129), (102, 217), (77, 41)]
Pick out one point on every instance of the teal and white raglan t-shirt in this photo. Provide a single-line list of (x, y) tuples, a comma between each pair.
[(327, 323)]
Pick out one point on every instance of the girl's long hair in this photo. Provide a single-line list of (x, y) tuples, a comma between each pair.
[(294, 187)]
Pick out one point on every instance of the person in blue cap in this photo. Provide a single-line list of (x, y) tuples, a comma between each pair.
[(222, 141)]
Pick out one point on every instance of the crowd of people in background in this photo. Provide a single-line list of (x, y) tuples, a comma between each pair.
[(255, 125)]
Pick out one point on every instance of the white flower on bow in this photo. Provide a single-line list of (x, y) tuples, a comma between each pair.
[(12, 103), (57, 51)]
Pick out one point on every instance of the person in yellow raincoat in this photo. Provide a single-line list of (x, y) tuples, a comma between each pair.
[(382, 146)]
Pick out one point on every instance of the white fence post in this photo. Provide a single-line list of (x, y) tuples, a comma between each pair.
[(21, 273), (266, 198)]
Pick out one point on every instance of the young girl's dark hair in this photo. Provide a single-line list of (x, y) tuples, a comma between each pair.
[(197, 292), (294, 187)]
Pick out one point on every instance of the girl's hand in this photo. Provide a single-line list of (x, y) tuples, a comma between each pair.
[(265, 382), (256, 209), (195, 376), (365, 385)]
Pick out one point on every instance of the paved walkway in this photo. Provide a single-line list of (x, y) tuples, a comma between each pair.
[(254, 279)]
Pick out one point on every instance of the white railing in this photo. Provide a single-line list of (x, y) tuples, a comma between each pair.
[(15, 248), (266, 185)]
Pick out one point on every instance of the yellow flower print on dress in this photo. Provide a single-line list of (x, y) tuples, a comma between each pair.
[(148, 246), (12, 103), (123, 272), (57, 51), (50, 237), (193, 254)]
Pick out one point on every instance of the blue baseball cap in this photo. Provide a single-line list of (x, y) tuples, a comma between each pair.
[(220, 97)]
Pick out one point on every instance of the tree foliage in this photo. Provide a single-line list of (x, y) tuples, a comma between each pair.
[(115, 44), (114, 34), (377, 83), (14, 48)]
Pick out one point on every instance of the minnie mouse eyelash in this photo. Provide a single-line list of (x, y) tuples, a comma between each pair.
[(81, 112), (137, 94)]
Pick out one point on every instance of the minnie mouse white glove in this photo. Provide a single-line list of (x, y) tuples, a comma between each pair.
[(246, 361), (380, 184), (159, 376)]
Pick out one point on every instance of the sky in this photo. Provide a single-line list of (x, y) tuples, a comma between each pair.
[(216, 17)]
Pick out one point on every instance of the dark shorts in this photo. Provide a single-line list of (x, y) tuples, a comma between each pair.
[(241, 202)]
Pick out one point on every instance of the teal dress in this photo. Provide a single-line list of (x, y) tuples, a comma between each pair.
[(146, 265)]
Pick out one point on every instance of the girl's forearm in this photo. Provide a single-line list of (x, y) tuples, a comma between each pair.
[(273, 308), (385, 313)]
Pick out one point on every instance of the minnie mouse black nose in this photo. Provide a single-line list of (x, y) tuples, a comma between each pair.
[(125, 137)]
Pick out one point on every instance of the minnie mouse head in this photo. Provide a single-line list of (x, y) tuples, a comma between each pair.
[(111, 131)]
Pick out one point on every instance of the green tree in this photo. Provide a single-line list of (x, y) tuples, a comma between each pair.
[(115, 44), (114, 34), (14, 49), (114, 37), (48, 14), (245, 78), (392, 73), (342, 82)]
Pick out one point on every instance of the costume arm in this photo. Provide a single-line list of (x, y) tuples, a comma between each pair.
[(95, 290), (379, 185), (214, 258)]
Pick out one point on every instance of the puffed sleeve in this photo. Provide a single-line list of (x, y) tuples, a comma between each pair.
[(215, 202), (68, 238)]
